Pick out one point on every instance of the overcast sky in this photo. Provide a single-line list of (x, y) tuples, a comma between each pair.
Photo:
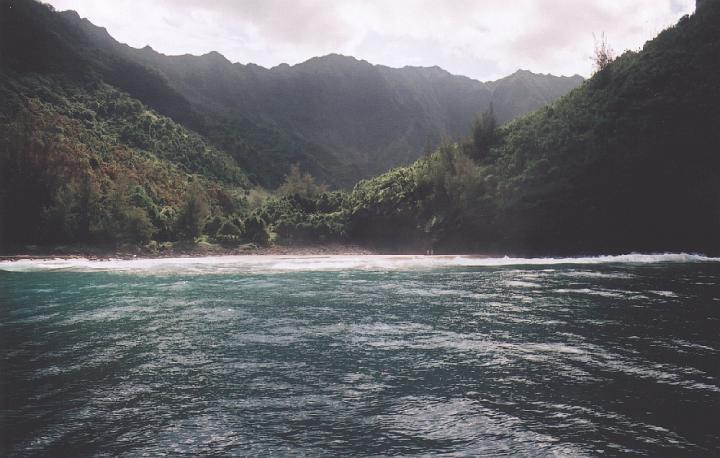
[(483, 39)]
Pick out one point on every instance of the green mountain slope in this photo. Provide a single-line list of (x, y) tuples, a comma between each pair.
[(629, 161), (36, 40), (102, 142), (353, 118), (87, 162), (341, 119)]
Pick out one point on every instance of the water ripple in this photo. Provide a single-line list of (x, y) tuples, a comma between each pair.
[(510, 360)]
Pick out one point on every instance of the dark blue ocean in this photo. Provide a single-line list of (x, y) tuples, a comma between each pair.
[(358, 356)]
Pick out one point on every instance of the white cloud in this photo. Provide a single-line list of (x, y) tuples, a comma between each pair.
[(483, 39)]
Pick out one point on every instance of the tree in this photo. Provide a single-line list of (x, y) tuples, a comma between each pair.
[(194, 212), (301, 184), (72, 212), (483, 134), (604, 54), (122, 220), (230, 231), (137, 226), (87, 206), (255, 230)]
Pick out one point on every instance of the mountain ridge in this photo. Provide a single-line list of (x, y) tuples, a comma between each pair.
[(627, 162), (369, 117), (103, 142)]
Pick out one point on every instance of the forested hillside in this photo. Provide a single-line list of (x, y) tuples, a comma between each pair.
[(103, 143), (340, 118), (36, 40), (88, 163), (627, 162)]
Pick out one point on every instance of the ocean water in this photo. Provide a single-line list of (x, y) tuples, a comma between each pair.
[(357, 356)]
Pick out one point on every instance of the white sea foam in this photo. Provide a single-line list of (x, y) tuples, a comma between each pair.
[(258, 264)]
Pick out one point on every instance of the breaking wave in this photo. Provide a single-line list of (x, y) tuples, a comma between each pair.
[(269, 263)]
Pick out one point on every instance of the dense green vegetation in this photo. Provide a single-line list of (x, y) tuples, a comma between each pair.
[(87, 162), (626, 162), (629, 161), (340, 118)]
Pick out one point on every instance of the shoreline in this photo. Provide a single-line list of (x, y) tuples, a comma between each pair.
[(204, 249), (100, 253)]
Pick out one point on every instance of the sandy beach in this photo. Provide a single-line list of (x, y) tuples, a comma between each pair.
[(186, 250)]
